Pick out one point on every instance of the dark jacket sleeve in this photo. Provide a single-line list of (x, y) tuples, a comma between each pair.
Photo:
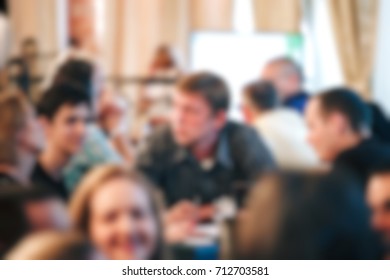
[(150, 159), (254, 157), (380, 124)]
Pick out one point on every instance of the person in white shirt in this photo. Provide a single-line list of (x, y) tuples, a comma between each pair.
[(282, 129)]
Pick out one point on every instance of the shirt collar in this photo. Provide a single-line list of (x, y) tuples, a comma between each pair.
[(222, 155)]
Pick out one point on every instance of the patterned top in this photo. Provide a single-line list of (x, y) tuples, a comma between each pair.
[(96, 150)]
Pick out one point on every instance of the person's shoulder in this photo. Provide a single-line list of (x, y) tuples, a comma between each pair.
[(94, 133), (303, 94), (95, 139), (365, 152), (37, 170), (287, 112), (381, 150), (375, 145), (234, 127), (39, 175), (248, 147), (282, 114), (97, 148), (158, 149), (7, 181), (159, 141), (240, 132), (291, 117), (161, 135)]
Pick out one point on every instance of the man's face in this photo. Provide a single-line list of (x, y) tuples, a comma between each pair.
[(67, 129), (325, 132), (192, 118), (378, 198)]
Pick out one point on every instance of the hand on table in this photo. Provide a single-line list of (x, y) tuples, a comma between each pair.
[(181, 220)]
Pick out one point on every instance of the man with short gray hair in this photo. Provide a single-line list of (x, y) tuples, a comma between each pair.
[(287, 77)]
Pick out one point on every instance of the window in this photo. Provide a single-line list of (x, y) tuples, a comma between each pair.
[(240, 55)]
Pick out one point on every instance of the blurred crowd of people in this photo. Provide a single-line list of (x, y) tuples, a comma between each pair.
[(305, 176)]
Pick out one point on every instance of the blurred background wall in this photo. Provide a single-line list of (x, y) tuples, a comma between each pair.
[(336, 42)]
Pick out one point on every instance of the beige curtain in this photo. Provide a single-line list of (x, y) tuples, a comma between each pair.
[(24, 21), (277, 15), (212, 15), (355, 28), (39, 19), (136, 28)]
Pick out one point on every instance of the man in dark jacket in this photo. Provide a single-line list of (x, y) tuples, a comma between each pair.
[(339, 130), (202, 156)]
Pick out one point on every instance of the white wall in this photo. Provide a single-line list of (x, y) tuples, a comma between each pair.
[(44, 20), (381, 78), (322, 65)]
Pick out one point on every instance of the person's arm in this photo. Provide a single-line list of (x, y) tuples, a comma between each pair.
[(150, 160), (97, 150), (380, 125), (181, 219), (123, 147), (252, 157)]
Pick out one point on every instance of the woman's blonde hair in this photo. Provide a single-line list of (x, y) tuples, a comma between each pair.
[(80, 202)]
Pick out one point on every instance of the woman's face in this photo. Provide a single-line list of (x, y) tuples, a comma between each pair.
[(122, 223)]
